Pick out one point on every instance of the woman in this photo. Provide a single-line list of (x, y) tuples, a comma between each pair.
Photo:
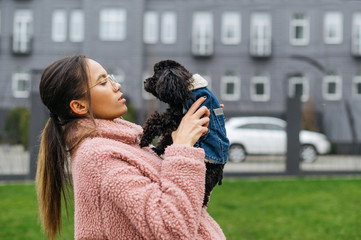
[(121, 191)]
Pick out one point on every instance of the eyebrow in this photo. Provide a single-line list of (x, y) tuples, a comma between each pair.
[(103, 75)]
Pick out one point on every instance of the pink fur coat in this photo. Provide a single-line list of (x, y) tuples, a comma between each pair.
[(123, 191)]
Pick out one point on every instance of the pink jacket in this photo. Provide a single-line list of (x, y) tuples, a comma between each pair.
[(125, 192)]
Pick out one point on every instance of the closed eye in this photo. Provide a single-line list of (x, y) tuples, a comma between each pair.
[(103, 83)]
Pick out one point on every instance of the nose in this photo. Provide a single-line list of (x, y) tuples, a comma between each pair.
[(118, 86)]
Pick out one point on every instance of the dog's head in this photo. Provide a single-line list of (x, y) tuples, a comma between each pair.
[(170, 82)]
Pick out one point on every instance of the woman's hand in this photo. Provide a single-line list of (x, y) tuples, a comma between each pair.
[(193, 125)]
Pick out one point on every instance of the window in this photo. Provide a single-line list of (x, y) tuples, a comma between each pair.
[(299, 83), (231, 28), (356, 34), (21, 85), (202, 35), (260, 35), (112, 24), (332, 87), (333, 23), (76, 26), (260, 88), (299, 29), (273, 127), (150, 31), (23, 31), (230, 87), (169, 28), (59, 26), (356, 88)]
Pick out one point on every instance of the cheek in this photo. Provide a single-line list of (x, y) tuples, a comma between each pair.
[(99, 102)]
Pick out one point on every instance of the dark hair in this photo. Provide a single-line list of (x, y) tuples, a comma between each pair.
[(61, 82)]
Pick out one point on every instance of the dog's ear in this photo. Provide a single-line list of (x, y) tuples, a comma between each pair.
[(172, 87)]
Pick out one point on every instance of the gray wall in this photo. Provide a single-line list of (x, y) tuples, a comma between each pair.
[(134, 57)]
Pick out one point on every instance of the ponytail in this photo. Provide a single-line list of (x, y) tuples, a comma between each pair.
[(62, 81), (51, 177)]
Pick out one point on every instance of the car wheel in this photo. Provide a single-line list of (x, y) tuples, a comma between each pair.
[(308, 153), (236, 153)]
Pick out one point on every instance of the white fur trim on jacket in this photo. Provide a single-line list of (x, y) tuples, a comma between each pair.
[(198, 82)]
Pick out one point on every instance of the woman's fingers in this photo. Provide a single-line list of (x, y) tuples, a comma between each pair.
[(202, 112), (193, 125), (204, 121), (196, 105)]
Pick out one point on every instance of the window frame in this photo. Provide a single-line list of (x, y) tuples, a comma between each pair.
[(261, 24), (59, 25), (169, 27), (19, 76), (151, 27), (76, 29), (202, 33), (338, 85), (293, 81), (237, 87), (356, 80), (333, 18), (356, 34), (22, 31), (112, 24), (304, 24), (265, 80), (0, 23), (234, 20)]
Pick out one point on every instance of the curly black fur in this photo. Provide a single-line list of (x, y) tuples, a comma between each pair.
[(170, 84)]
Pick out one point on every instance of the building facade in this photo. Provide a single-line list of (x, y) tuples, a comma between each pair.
[(254, 54)]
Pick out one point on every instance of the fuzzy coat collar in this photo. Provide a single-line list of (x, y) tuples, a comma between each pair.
[(117, 129), (198, 82)]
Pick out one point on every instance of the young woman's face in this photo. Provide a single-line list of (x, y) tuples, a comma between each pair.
[(106, 99)]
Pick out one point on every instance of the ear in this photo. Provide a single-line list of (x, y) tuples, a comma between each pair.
[(172, 88), (79, 107)]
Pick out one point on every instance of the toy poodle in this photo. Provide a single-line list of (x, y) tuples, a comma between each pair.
[(173, 84)]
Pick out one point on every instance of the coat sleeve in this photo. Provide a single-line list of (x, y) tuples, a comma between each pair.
[(166, 209)]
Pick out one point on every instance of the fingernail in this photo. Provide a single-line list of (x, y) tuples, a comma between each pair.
[(204, 97)]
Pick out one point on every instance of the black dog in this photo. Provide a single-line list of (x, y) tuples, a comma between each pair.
[(171, 83)]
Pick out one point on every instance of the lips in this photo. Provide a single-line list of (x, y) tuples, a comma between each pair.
[(120, 99)]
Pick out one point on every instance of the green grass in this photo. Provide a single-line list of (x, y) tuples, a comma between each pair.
[(290, 209)]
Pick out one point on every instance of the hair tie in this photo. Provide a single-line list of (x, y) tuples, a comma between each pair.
[(53, 116)]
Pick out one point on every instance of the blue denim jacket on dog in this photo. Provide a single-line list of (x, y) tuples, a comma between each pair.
[(215, 143)]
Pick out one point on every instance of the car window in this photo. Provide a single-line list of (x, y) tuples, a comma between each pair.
[(263, 126), (252, 126), (269, 126)]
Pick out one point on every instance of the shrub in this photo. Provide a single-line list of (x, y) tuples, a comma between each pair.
[(16, 128)]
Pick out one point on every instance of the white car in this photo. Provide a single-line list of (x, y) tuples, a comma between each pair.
[(267, 135)]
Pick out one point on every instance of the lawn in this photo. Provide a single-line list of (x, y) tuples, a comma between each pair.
[(292, 209)]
